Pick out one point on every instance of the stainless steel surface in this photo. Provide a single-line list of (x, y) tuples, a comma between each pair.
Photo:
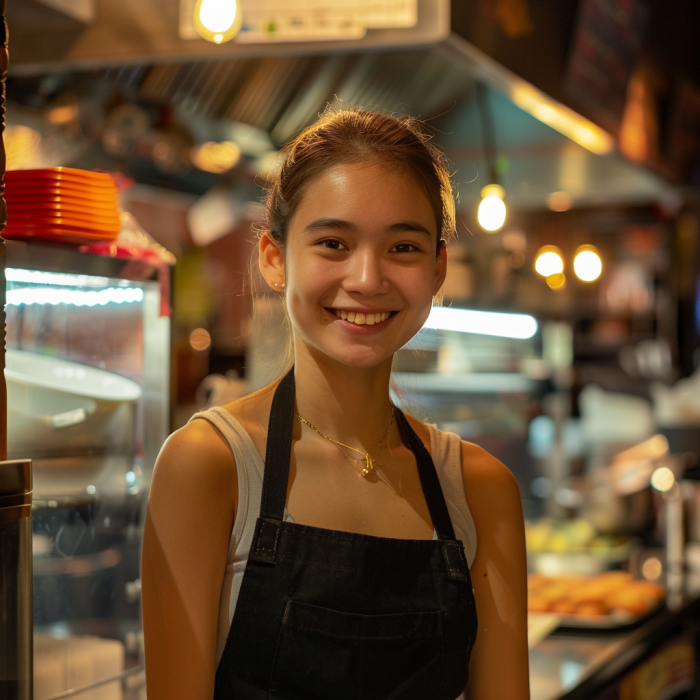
[(16, 580), (558, 664)]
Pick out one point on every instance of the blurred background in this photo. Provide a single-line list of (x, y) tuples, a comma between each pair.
[(568, 344)]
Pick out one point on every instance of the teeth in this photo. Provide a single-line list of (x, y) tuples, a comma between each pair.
[(362, 319)]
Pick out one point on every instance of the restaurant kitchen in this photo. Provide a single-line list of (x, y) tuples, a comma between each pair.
[(579, 368)]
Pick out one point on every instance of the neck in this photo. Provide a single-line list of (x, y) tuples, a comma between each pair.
[(349, 404)]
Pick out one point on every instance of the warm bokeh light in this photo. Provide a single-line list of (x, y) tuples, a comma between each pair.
[(549, 261), (216, 157), (663, 479), (559, 201), (564, 120), (217, 20), (652, 569), (22, 147), (492, 209), (587, 263), (200, 340), (556, 281)]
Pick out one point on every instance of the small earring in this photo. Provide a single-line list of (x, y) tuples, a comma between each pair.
[(276, 285), (282, 285)]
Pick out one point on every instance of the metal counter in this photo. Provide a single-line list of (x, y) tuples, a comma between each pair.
[(595, 665)]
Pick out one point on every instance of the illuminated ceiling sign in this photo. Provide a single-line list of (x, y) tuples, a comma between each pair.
[(266, 21)]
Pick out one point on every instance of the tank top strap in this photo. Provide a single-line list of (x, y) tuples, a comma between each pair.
[(249, 465)]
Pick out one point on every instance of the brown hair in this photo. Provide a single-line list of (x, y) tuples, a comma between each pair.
[(357, 135)]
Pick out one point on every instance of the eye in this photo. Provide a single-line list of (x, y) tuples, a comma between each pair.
[(332, 244), (405, 248)]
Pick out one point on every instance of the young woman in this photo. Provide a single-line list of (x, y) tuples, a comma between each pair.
[(368, 555)]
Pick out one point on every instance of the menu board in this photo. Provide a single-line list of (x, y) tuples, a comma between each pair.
[(606, 45), (266, 21)]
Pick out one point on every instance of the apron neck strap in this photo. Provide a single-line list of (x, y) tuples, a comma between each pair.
[(279, 451)]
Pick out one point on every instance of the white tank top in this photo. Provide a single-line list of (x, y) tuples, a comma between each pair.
[(445, 449)]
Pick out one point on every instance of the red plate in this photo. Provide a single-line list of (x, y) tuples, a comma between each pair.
[(61, 222), (15, 213), (13, 191), (72, 237), (68, 175)]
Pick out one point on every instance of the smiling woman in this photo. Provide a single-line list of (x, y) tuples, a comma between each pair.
[(345, 564)]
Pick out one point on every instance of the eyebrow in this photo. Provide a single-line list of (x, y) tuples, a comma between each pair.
[(342, 225)]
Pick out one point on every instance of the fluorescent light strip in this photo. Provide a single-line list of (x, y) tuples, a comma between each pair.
[(504, 325), (54, 278), (74, 297)]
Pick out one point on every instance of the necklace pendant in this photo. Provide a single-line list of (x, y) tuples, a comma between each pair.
[(369, 465)]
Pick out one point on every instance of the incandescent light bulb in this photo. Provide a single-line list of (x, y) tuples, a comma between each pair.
[(217, 20), (549, 261), (492, 209), (587, 263)]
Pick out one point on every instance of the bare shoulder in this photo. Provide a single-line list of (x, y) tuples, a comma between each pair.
[(482, 470), (492, 493), (195, 456)]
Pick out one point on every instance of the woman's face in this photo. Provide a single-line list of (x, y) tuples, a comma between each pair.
[(359, 264)]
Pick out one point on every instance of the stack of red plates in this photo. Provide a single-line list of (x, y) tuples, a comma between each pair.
[(61, 204)]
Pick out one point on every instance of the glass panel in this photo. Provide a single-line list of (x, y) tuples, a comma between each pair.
[(75, 371)]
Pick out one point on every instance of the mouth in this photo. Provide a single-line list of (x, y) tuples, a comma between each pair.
[(362, 319)]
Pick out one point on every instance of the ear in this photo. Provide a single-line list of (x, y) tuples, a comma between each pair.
[(440, 267), (271, 261)]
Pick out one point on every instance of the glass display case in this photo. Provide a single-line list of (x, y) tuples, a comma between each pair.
[(87, 370)]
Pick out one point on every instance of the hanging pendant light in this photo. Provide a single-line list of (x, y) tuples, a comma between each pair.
[(491, 214), (217, 21)]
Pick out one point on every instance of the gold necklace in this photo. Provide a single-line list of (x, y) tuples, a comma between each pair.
[(367, 458)]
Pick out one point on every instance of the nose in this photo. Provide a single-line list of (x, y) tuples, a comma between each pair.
[(365, 274)]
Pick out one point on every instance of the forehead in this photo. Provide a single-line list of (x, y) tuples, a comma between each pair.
[(368, 194)]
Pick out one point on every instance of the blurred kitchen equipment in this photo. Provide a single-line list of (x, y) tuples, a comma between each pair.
[(16, 580), (59, 408), (217, 389), (677, 415), (617, 499), (611, 422)]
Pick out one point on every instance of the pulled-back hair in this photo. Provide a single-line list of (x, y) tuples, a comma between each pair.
[(357, 135)]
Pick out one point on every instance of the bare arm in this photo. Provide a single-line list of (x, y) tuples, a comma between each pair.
[(499, 663), (188, 526)]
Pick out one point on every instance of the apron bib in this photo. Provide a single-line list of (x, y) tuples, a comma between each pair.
[(330, 615)]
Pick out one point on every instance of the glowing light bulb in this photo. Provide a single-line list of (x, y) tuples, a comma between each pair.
[(549, 261), (217, 20), (587, 263), (663, 479), (492, 209)]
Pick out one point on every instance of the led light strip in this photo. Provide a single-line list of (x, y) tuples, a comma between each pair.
[(74, 297), (521, 326), (57, 279)]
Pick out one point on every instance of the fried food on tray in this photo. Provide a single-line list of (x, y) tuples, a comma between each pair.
[(605, 594)]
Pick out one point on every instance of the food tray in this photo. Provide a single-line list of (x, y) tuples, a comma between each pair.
[(614, 621)]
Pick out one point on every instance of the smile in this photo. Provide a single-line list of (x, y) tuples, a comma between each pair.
[(362, 319)]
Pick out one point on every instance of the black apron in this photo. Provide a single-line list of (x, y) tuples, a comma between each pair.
[(330, 615)]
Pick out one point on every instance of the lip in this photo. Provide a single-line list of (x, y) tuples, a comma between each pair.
[(363, 329)]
